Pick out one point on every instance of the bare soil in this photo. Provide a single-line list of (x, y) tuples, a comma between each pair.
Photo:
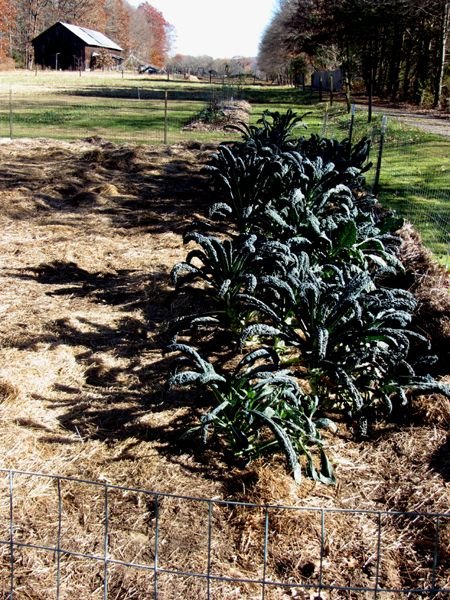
[(90, 231)]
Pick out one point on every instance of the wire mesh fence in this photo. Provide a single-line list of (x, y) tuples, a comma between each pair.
[(416, 188), (420, 192), (423, 197), (128, 115), (62, 537)]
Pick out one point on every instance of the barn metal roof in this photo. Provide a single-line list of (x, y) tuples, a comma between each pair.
[(91, 37)]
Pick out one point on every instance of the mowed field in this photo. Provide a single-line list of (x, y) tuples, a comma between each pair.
[(132, 107), (69, 106)]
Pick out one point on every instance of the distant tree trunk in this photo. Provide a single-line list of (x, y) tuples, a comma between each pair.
[(407, 72), (394, 67), (348, 93), (422, 70), (370, 94), (383, 60), (441, 66), (347, 76)]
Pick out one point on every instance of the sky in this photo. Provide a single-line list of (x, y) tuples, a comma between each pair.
[(217, 28)]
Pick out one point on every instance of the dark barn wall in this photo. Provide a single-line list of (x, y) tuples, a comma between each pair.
[(59, 46)]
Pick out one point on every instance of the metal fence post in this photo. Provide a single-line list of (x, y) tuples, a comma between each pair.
[(376, 184), (105, 543), (208, 572), (11, 535), (165, 116), (265, 551), (156, 549), (58, 540)]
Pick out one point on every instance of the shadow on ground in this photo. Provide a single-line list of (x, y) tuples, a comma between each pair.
[(134, 187)]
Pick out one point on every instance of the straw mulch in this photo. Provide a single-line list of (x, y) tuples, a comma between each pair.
[(90, 232), (225, 113)]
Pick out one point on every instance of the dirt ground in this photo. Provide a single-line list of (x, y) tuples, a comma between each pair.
[(90, 231), (429, 120)]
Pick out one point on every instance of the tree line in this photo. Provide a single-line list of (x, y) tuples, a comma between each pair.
[(205, 66), (396, 47), (141, 31)]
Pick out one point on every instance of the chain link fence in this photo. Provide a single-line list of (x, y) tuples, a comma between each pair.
[(62, 537)]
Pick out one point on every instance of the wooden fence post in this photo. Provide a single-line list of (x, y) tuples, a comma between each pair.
[(10, 113), (352, 123)]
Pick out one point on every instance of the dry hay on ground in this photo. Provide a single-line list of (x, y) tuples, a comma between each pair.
[(220, 116), (430, 283), (90, 232)]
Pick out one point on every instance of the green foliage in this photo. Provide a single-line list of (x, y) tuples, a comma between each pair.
[(300, 280), (272, 129), (342, 154), (258, 409), (352, 339), (248, 181), (224, 272), (212, 113), (224, 266)]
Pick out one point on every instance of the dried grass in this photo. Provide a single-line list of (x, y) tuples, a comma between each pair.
[(232, 112), (90, 232), (430, 283)]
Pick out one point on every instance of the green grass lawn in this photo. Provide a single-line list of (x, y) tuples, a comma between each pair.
[(415, 181), (49, 103), (67, 117), (415, 176)]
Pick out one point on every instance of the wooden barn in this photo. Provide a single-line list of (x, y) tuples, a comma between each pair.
[(69, 47)]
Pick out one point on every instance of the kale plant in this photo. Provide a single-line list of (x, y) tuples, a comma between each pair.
[(300, 281), (258, 409)]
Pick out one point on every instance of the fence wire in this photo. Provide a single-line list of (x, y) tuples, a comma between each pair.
[(124, 115), (100, 540), (420, 193)]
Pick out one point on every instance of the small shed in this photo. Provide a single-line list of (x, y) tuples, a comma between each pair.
[(322, 80), (70, 47)]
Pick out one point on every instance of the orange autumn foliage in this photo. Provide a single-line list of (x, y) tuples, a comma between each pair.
[(7, 23), (158, 31)]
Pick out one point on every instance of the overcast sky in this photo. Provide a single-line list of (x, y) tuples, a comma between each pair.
[(218, 28)]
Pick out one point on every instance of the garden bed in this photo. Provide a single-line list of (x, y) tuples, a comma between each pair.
[(90, 232), (219, 116)]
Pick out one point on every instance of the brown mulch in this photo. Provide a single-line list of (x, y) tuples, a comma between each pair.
[(90, 231)]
